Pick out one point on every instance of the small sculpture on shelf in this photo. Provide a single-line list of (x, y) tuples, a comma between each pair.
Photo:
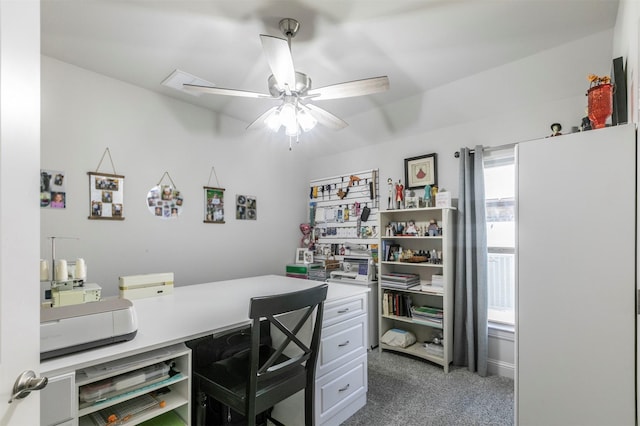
[(411, 228), (433, 228), (306, 241), (434, 192), (399, 195), (555, 129), (427, 196)]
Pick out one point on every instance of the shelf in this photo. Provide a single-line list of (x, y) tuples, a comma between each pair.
[(416, 350), (413, 290), (413, 321), (117, 398), (172, 401), (417, 210), (421, 264), (156, 365), (412, 237)]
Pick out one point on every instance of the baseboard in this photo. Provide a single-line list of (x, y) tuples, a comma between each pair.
[(500, 368)]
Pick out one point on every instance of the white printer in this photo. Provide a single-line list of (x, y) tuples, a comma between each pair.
[(73, 328)]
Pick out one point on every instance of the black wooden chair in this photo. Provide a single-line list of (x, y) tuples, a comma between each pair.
[(252, 381)]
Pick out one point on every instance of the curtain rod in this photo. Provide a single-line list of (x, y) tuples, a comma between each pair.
[(489, 148)]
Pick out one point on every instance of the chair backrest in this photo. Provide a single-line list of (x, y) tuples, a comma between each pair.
[(306, 302)]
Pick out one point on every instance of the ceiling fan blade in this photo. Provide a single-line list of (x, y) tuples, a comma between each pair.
[(259, 123), (280, 61), (349, 89), (325, 118), (226, 92)]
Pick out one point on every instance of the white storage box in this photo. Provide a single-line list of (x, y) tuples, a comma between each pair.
[(146, 285)]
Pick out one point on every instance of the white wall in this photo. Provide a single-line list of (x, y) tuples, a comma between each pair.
[(512, 103), (147, 134)]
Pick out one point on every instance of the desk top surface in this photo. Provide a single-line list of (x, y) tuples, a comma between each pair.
[(193, 311)]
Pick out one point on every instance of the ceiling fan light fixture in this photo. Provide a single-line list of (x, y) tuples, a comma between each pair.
[(273, 120), (288, 116), (306, 120)]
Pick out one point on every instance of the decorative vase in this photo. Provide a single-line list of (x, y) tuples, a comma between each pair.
[(600, 104)]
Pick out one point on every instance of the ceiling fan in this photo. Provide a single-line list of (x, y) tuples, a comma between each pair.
[(296, 112)]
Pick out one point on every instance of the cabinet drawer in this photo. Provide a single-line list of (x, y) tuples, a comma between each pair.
[(340, 388), (58, 400), (340, 343), (335, 312)]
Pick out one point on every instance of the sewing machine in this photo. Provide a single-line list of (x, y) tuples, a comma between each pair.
[(359, 269)]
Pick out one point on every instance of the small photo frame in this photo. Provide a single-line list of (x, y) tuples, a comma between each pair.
[(300, 255), (308, 257), (106, 196), (246, 207), (213, 205), (420, 171)]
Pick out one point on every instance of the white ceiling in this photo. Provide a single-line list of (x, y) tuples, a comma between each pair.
[(419, 44)]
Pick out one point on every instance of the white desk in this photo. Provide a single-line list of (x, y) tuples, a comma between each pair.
[(195, 311)]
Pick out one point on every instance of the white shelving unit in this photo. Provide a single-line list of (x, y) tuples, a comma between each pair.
[(436, 297), (177, 399)]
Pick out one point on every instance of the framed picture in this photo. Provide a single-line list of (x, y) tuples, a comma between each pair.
[(213, 205), (52, 192), (420, 171), (165, 202), (300, 255), (308, 257), (246, 207), (106, 194)]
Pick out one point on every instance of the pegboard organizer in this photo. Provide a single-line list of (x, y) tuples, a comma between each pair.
[(335, 209)]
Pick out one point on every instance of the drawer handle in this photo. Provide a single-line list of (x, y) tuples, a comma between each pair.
[(343, 311), (344, 388), (343, 344)]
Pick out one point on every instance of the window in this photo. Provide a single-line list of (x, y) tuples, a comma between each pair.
[(500, 188)]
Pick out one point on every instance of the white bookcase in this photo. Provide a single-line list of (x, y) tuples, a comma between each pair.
[(439, 298)]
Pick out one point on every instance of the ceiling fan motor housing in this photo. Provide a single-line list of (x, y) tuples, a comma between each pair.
[(289, 27), (303, 84)]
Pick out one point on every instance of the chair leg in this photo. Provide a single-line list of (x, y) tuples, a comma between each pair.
[(274, 421), (308, 406)]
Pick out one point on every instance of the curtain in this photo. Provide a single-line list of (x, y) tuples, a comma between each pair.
[(470, 329)]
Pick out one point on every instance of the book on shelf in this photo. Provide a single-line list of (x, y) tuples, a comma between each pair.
[(437, 280), (400, 277), (398, 280), (428, 314), (396, 303), (430, 288)]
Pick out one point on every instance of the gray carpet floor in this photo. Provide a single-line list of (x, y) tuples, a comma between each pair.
[(407, 391)]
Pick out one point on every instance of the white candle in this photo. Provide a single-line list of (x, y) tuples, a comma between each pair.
[(44, 270), (81, 269), (61, 270)]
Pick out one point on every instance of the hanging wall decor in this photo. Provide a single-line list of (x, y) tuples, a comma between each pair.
[(213, 205), (246, 207), (420, 171), (106, 193), (165, 201), (213, 202), (52, 192)]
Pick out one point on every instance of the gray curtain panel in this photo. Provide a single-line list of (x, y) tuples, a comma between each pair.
[(470, 335)]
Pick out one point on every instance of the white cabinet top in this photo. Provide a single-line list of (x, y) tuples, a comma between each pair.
[(194, 311)]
